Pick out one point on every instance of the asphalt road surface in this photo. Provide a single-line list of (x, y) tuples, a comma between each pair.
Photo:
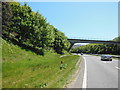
[(101, 74), (97, 73)]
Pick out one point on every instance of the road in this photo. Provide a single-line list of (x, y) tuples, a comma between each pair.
[(98, 74), (101, 74)]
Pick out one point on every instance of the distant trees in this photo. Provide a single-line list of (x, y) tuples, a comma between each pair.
[(30, 28), (99, 48), (117, 39)]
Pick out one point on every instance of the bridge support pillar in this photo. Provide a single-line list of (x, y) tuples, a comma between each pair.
[(71, 44)]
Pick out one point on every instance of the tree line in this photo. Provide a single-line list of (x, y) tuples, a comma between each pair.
[(99, 48), (28, 28)]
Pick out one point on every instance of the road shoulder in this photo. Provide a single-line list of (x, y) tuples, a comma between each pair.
[(77, 78)]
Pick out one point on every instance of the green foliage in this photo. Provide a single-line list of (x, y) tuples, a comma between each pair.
[(99, 48), (25, 69), (31, 29), (61, 43), (6, 19), (117, 39)]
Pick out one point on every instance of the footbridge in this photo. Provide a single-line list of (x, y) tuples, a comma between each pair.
[(73, 41)]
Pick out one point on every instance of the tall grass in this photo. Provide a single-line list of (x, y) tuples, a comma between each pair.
[(25, 69)]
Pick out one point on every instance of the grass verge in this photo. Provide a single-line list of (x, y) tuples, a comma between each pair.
[(25, 69), (116, 58)]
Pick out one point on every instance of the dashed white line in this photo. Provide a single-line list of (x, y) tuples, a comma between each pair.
[(84, 85), (117, 68), (103, 62)]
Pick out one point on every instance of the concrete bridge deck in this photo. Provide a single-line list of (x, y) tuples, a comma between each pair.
[(73, 41)]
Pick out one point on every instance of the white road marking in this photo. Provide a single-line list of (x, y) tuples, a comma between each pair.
[(103, 61), (117, 68), (84, 85), (106, 61)]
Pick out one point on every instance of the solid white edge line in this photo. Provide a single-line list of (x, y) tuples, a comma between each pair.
[(84, 85), (117, 67)]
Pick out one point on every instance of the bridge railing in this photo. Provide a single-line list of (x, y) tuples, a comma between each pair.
[(86, 38)]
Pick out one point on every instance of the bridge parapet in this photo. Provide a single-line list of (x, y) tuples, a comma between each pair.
[(86, 38), (72, 41), (92, 41)]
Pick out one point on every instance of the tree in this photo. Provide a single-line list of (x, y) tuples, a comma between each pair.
[(6, 19), (61, 43), (31, 29)]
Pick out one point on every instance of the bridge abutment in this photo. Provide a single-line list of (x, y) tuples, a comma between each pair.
[(71, 44)]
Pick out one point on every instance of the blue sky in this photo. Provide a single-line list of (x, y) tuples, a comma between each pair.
[(90, 20)]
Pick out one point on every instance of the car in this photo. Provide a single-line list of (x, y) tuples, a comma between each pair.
[(106, 57), (81, 53)]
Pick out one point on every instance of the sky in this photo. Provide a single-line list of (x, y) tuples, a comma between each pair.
[(87, 20)]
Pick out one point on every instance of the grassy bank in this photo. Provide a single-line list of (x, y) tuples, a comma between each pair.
[(25, 69), (116, 58)]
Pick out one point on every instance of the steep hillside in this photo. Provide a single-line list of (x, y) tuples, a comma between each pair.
[(25, 69)]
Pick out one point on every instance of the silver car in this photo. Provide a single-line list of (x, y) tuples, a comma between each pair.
[(106, 57)]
